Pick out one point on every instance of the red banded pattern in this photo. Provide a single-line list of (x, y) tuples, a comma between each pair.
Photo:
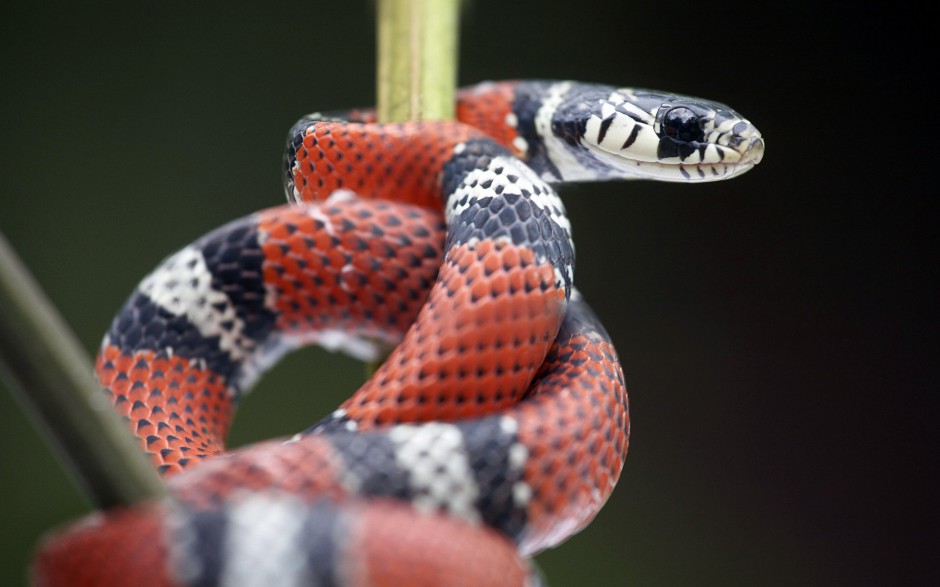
[(496, 428)]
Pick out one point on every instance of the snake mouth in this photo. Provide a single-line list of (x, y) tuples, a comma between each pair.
[(697, 172), (749, 153)]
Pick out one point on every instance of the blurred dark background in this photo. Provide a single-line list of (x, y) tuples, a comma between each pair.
[(776, 331)]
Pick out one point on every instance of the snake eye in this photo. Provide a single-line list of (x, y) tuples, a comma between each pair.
[(681, 124)]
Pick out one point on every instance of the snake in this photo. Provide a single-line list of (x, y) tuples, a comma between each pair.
[(496, 428)]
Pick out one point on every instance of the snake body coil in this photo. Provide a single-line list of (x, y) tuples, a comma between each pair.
[(498, 425)]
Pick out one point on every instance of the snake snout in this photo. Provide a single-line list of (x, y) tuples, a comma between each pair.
[(754, 151)]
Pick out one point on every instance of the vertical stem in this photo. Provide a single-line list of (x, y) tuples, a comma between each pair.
[(417, 59), (417, 64), (50, 374)]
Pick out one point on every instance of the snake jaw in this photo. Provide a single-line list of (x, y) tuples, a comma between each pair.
[(710, 143)]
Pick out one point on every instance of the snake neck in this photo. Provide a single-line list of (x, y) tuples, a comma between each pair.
[(539, 122)]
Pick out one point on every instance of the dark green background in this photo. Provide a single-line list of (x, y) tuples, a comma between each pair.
[(775, 332)]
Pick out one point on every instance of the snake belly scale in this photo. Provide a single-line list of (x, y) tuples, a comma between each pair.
[(496, 428)]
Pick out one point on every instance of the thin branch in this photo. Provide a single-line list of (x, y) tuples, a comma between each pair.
[(51, 375)]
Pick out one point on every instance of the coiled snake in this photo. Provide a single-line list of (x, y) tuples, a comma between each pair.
[(496, 428)]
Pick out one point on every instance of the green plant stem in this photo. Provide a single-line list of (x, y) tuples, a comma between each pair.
[(416, 77), (417, 59), (50, 374)]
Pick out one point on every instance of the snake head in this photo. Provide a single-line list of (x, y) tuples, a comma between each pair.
[(636, 133)]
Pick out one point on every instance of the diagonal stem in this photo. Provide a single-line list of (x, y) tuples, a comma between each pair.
[(51, 376)]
